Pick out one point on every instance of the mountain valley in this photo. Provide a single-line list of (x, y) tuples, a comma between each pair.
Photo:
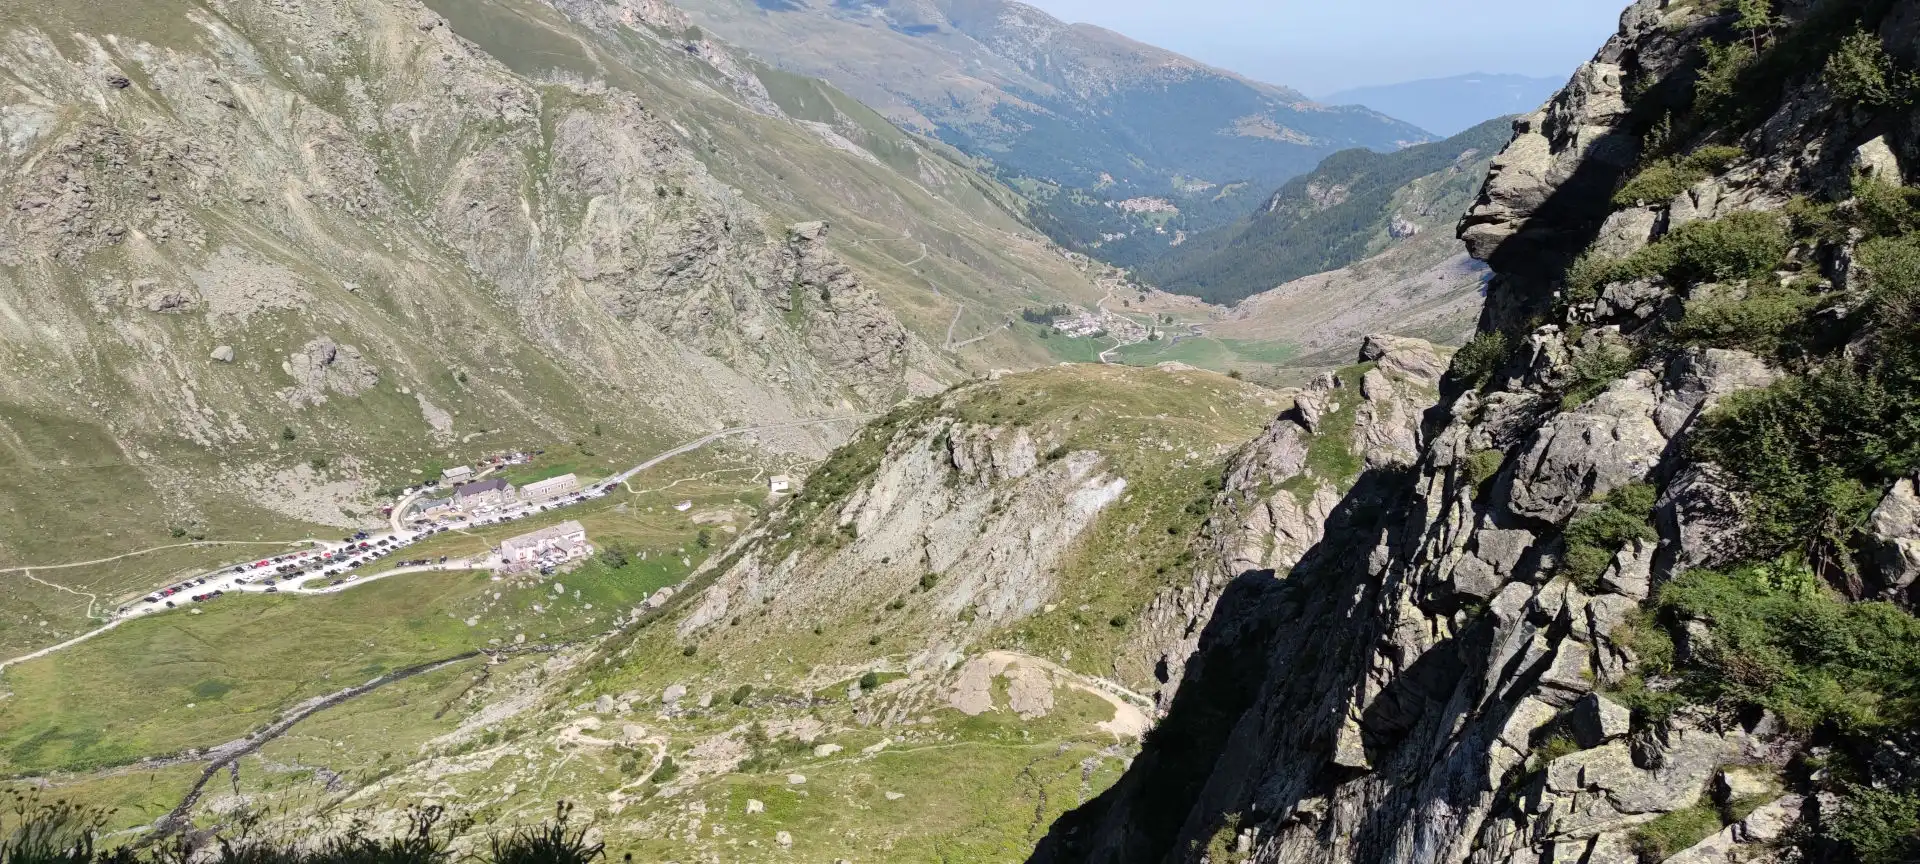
[(701, 431), (1122, 145)]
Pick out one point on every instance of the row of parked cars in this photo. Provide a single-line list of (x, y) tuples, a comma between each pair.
[(161, 595), (355, 551)]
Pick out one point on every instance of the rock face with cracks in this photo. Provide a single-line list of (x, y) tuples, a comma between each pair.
[(1400, 668)]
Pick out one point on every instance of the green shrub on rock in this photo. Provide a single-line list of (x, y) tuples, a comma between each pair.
[(1805, 449), (1665, 179), (1593, 538), (1758, 320), (1476, 361), (1881, 826), (1744, 245), (1893, 265), (1669, 834), (1481, 468), (1783, 641), (1860, 72), (1738, 246)]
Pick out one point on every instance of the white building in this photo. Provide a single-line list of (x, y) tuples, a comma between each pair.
[(547, 547), (780, 484), (460, 474), (1080, 325), (550, 488)]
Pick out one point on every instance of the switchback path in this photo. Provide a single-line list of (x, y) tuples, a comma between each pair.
[(955, 346), (959, 310), (93, 600)]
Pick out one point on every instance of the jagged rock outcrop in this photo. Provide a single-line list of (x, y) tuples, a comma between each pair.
[(1896, 531), (1277, 498), (323, 366), (979, 511), (1433, 679)]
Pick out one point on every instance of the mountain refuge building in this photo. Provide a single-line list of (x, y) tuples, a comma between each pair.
[(484, 496), (548, 547)]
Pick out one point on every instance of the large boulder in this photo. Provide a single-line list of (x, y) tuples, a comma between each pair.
[(1702, 512), (1699, 379), (1896, 540), (1580, 455)]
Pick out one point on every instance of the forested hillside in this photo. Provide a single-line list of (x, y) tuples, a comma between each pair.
[(1347, 209)]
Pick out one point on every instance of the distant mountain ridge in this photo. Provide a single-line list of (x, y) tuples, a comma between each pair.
[(1449, 106), (1079, 118), (1350, 207)]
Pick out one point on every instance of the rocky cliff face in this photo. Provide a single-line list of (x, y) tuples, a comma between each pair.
[(971, 516), (1280, 490), (1555, 623)]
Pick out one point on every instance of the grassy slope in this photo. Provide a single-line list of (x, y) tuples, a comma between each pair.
[(980, 248), (1169, 434), (113, 494), (242, 659)]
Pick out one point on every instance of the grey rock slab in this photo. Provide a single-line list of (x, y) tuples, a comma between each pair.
[(1631, 573), (1597, 720), (1701, 511), (1502, 547), (1578, 456), (1699, 379), (1638, 298), (1895, 526), (1691, 760), (1625, 232), (1876, 159)]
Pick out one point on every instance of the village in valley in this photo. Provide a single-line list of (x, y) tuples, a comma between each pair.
[(474, 502)]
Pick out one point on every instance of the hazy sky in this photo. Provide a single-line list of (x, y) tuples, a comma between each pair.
[(1324, 45)]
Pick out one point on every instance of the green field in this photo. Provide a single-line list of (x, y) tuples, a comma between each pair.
[(1064, 349), (1016, 783), (1220, 355)]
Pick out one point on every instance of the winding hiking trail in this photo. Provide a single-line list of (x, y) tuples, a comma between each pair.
[(960, 309), (92, 599), (152, 549), (231, 752)]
